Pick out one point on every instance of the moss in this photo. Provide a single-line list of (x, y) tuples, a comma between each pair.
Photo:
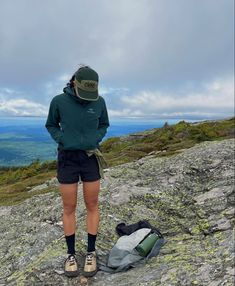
[(195, 230), (13, 198), (53, 250)]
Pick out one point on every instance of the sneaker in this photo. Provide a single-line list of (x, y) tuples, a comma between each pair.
[(90, 266), (71, 266)]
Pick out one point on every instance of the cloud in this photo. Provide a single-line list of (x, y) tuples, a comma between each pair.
[(149, 50), (213, 99), (22, 107), (209, 100), (104, 90), (126, 112), (161, 40)]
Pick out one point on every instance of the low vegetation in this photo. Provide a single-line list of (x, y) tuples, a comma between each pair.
[(15, 182), (165, 141)]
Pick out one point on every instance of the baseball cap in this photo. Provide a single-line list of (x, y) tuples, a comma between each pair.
[(86, 83)]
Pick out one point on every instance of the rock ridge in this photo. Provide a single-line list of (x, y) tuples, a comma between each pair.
[(188, 196)]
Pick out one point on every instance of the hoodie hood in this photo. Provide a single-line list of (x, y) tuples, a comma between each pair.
[(70, 91)]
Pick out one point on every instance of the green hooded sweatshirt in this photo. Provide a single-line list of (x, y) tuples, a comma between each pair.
[(75, 123)]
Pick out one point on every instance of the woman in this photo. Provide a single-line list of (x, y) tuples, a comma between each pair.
[(78, 121)]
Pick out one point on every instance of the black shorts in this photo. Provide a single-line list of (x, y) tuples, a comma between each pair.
[(75, 164)]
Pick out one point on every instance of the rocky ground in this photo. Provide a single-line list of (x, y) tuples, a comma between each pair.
[(189, 197)]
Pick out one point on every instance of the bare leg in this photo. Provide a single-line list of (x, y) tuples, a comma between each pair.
[(69, 197), (90, 194)]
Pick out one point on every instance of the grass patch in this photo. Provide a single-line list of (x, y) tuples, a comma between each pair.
[(169, 138), (16, 182), (13, 198)]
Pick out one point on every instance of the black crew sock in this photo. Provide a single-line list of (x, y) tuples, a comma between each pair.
[(91, 242), (70, 240)]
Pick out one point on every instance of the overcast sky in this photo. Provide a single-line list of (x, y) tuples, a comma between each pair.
[(155, 58)]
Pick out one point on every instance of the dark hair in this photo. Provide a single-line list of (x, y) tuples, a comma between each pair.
[(70, 83)]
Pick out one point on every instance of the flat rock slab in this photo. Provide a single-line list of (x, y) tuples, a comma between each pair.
[(189, 197)]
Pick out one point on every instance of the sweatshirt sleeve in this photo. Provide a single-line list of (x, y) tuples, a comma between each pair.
[(103, 123), (52, 123)]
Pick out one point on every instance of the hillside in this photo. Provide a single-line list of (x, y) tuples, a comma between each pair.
[(165, 141), (188, 196), (15, 183)]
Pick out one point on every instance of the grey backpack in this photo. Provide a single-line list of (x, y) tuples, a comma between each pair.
[(123, 255)]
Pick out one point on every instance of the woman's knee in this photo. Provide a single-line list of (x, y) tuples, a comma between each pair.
[(92, 205), (69, 209)]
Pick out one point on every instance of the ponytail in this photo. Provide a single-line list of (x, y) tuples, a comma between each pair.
[(70, 83)]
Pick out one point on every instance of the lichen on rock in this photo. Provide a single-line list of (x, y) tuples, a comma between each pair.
[(189, 197)]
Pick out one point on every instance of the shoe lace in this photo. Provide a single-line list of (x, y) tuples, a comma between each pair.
[(71, 260), (89, 258)]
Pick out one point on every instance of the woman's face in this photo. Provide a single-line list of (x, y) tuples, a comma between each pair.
[(76, 93)]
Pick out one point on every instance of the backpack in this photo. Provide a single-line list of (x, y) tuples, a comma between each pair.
[(123, 254)]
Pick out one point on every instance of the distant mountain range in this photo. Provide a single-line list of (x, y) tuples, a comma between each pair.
[(25, 139)]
